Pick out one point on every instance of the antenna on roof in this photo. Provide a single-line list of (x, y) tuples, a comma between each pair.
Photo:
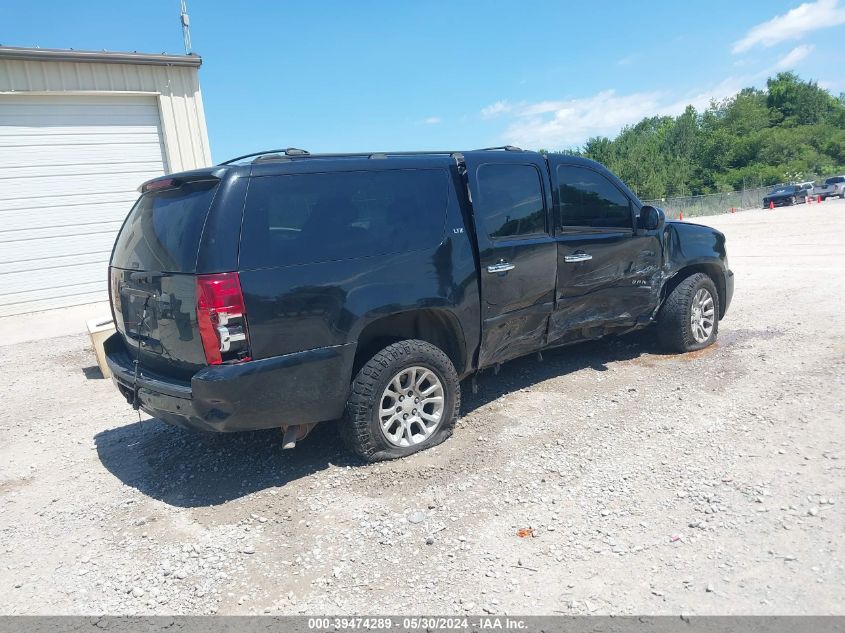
[(186, 26)]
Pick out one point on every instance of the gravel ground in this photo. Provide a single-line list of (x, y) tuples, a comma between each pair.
[(708, 483)]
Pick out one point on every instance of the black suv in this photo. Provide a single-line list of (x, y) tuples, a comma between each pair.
[(283, 289)]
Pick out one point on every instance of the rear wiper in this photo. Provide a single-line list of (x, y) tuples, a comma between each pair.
[(147, 276), (143, 277)]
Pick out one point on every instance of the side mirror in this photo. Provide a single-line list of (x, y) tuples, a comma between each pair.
[(651, 218)]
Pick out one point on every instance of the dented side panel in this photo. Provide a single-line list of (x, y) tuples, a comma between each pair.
[(619, 286), (689, 245), (515, 302)]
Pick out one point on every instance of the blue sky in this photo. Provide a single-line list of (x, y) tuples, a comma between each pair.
[(379, 75)]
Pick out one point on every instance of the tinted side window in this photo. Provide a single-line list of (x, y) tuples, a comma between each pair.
[(586, 198), (511, 200), (306, 218)]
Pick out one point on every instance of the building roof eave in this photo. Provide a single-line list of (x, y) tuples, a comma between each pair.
[(98, 57)]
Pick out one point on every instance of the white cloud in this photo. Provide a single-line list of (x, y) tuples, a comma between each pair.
[(495, 109), (432, 120), (793, 25), (794, 56), (567, 123), (628, 59), (833, 86), (555, 124), (700, 100)]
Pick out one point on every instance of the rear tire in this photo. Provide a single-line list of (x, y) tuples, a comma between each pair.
[(682, 320), (377, 426)]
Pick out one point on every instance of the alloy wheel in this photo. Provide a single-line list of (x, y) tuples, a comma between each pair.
[(702, 315), (411, 406)]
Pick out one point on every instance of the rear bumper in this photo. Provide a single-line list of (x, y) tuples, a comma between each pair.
[(299, 388)]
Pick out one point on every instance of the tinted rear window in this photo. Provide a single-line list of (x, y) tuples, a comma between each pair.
[(511, 200), (163, 229), (306, 218), (834, 180)]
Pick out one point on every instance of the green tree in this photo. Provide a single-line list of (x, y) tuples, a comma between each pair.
[(799, 102), (792, 130)]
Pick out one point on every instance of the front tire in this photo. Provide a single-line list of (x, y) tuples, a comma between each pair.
[(404, 399), (689, 318)]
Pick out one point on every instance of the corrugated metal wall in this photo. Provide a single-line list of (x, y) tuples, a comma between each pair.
[(76, 140), (179, 97), (70, 166)]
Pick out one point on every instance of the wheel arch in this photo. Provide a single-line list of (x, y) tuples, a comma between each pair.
[(439, 327), (711, 269)]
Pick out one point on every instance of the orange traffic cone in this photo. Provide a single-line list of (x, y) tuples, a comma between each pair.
[(681, 216), (771, 204), (819, 200)]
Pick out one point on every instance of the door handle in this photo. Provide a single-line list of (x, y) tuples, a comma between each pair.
[(577, 257), (500, 267)]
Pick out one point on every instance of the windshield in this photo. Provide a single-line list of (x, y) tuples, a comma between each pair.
[(789, 189), (834, 180), (163, 230)]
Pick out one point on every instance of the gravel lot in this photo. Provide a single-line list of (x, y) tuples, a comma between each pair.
[(709, 483)]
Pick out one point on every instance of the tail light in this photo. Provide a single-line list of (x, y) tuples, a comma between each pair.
[(155, 185), (114, 280), (221, 318)]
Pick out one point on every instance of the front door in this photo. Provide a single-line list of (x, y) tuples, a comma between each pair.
[(607, 270), (518, 256)]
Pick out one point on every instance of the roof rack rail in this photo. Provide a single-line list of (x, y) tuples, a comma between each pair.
[(270, 158), (384, 154), (507, 148), (288, 151), (293, 152)]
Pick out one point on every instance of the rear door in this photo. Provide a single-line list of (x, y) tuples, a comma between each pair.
[(153, 280), (606, 269), (511, 200)]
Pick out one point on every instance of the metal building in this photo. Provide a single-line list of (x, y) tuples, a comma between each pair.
[(79, 131)]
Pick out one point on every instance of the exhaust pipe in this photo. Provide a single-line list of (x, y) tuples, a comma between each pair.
[(295, 432)]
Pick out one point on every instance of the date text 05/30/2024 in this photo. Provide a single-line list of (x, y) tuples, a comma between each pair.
[(411, 623)]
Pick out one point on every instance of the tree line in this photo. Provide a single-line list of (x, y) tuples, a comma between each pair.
[(792, 131)]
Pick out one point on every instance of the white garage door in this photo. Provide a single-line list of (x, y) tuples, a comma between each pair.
[(70, 167)]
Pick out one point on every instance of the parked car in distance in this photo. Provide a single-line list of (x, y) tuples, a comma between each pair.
[(806, 189), (784, 195), (284, 289), (831, 187)]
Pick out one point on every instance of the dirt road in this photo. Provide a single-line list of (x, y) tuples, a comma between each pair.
[(710, 483)]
